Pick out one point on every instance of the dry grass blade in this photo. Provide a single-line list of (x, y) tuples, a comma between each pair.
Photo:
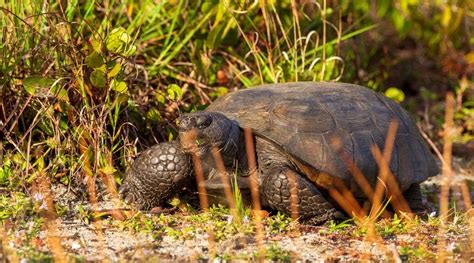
[(398, 201), (359, 177), (433, 146), (466, 195), (43, 190), (3, 243), (323, 18), (263, 8), (107, 178), (90, 187), (352, 201), (337, 188), (385, 179), (254, 190), (347, 202), (225, 179), (447, 175), (203, 200), (293, 195), (15, 113), (383, 161), (470, 218), (189, 139), (447, 154)]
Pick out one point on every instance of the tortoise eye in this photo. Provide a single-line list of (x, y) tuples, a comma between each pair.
[(203, 122)]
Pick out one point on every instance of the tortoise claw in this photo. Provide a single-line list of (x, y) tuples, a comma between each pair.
[(125, 194), (129, 199), (124, 188)]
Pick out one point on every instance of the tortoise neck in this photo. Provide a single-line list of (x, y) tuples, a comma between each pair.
[(233, 151), (241, 161)]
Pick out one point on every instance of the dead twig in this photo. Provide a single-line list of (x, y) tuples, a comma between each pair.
[(254, 190), (447, 175)]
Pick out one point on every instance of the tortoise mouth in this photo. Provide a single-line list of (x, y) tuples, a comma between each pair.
[(199, 150), (190, 143), (202, 147)]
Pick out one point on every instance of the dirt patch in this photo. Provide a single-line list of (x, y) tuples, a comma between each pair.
[(182, 236)]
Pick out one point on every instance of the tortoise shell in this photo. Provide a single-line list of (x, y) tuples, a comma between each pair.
[(306, 118)]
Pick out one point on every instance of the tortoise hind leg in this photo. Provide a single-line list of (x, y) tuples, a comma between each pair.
[(414, 199), (278, 185)]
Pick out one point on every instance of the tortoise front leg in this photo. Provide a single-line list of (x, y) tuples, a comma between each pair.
[(290, 193), (287, 190), (156, 175)]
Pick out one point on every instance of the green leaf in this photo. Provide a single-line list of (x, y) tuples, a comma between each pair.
[(119, 86), (216, 36), (328, 12), (122, 98), (60, 92), (115, 70), (153, 114), (470, 57), (118, 41), (219, 92), (114, 41), (40, 163), (5, 172), (171, 134), (174, 92), (446, 17), (130, 51), (94, 60), (96, 45), (382, 8), (395, 94), (107, 169), (63, 125), (46, 127), (160, 98), (45, 87), (98, 78), (33, 83), (171, 94), (124, 37)]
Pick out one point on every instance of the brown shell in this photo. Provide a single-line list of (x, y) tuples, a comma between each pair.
[(310, 119)]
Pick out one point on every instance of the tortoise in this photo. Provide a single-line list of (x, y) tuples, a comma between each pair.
[(295, 127)]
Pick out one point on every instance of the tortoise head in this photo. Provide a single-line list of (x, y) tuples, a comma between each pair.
[(200, 131), (157, 174)]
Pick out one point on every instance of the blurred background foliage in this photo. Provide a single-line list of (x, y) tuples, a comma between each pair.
[(86, 84)]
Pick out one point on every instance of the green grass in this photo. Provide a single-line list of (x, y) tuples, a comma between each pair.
[(80, 82)]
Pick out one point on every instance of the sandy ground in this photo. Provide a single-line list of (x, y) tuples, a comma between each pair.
[(101, 240)]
